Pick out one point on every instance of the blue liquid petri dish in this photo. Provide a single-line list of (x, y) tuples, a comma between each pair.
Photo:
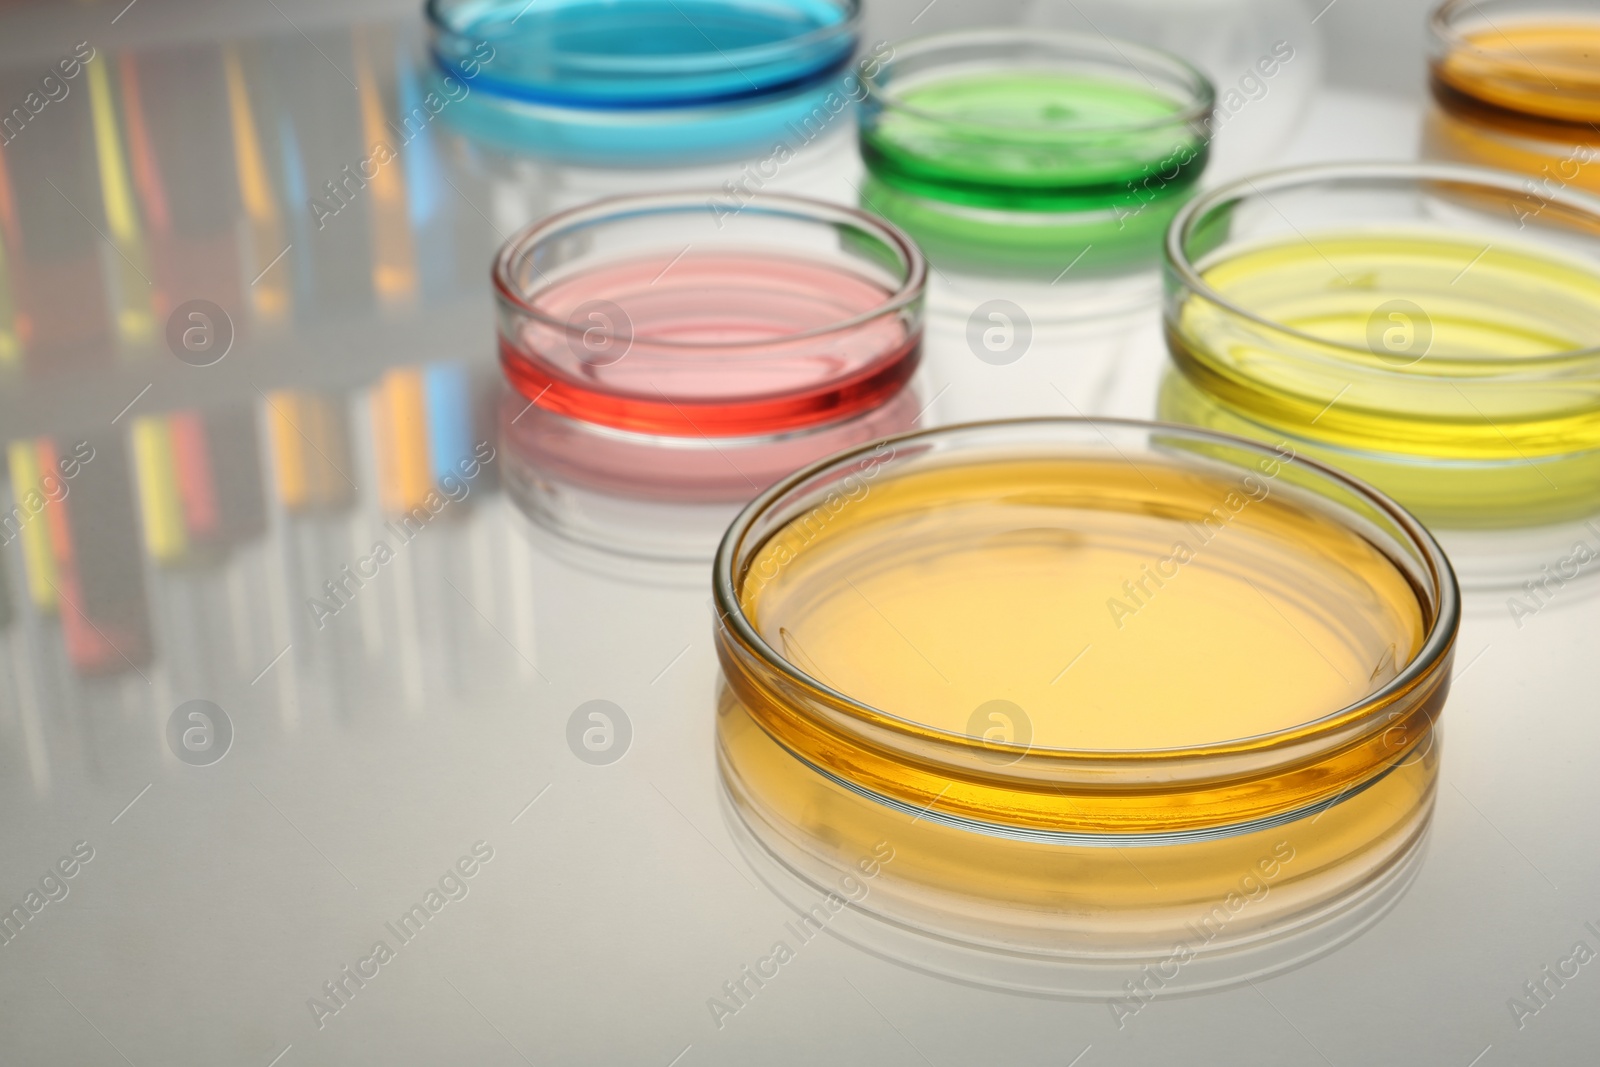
[(641, 82)]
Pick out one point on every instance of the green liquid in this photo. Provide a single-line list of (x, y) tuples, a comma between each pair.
[(1036, 141)]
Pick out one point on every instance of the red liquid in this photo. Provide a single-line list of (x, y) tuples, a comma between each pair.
[(709, 345), (542, 446)]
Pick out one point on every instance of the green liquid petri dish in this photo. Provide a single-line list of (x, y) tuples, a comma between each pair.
[(1015, 150)]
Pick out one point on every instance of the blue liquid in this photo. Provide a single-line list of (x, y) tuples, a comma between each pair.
[(639, 54)]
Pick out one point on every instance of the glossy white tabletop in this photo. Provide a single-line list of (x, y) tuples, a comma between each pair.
[(381, 751)]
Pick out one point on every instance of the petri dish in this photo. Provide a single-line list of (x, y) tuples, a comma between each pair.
[(672, 316), (1017, 148), (1087, 633), (1433, 329), (642, 82), (1516, 85)]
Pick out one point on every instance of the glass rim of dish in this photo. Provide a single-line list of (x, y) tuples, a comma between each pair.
[(713, 59), (1202, 92), (1443, 24), (1510, 368), (1335, 725), (629, 205)]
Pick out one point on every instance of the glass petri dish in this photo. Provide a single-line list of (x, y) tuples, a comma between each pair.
[(1016, 148), (1516, 85), (640, 82), (1086, 633), (1430, 328), (673, 316)]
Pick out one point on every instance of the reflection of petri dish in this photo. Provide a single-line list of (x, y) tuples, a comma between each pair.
[(638, 82), (1434, 329), (1014, 147), (1082, 632), (1483, 558), (660, 498), (666, 315), (1516, 85), (1061, 918)]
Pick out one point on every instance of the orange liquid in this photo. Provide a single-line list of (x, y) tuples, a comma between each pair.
[(1546, 71)]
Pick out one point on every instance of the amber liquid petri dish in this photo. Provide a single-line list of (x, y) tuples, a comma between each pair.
[(1516, 85), (1510, 59), (1086, 632)]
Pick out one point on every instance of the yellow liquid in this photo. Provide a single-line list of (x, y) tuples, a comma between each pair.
[(945, 590), (1432, 382)]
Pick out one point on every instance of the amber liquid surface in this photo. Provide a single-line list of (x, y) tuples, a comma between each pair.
[(1088, 603), (1548, 70)]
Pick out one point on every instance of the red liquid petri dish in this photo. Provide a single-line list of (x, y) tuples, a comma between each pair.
[(689, 315)]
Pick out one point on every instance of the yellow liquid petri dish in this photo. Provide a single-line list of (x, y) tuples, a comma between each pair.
[(1086, 632), (1441, 340)]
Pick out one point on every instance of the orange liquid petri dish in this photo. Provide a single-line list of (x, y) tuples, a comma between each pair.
[(1516, 59), (1516, 85), (1086, 632)]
